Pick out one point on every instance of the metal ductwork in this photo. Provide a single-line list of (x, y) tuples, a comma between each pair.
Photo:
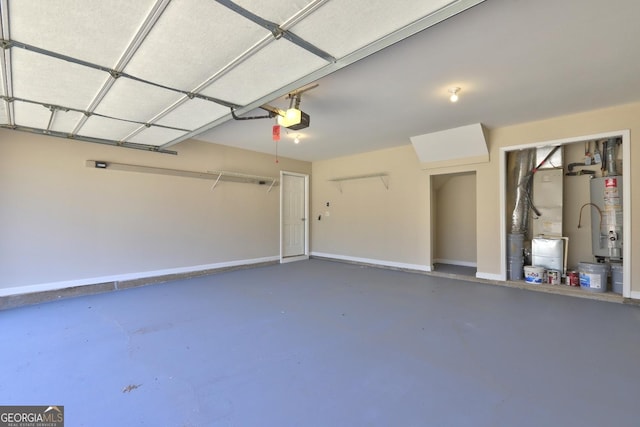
[(524, 164)]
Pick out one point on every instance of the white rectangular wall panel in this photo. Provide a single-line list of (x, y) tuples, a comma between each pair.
[(458, 146)]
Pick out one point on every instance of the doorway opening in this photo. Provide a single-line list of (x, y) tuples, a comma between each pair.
[(454, 223)]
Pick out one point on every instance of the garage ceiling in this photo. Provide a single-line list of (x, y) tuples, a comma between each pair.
[(151, 73)]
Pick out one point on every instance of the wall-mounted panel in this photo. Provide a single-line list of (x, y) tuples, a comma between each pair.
[(459, 146)]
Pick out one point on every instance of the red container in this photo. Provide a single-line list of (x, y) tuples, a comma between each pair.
[(573, 278)]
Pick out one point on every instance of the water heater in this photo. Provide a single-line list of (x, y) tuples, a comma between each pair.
[(606, 221)]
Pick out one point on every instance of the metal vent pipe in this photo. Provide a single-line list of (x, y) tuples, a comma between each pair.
[(610, 154), (525, 162)]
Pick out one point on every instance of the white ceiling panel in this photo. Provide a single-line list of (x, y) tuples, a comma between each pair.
[(66, 121), (100, 127), (136, 101), (41, 78), (93, 30), (193, 114), (4, 118), (2, 91), (156, 136), (184, 49), (273, 67), (277, 12), (31, 115), (340, 27)]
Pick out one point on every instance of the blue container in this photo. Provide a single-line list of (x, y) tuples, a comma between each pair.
[(593, 276)]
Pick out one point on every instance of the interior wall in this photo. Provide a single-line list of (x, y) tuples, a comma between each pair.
[(455, 221), (362, 220), (65, 222), (367, 221)]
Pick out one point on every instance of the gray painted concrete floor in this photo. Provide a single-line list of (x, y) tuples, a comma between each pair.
[(319, 343), (459, 270)]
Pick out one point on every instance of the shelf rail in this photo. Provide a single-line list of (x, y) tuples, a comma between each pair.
[(216, 176), (384, 177)]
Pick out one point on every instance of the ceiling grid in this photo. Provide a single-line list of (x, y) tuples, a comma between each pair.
[(152, 73)]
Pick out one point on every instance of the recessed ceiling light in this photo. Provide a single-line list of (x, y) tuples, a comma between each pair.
[(454, 94)]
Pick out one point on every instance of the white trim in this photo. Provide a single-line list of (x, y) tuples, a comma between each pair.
[(626, 197), (635, 295), (383, 263), (461, 169), (285, 260), (489, 276), (53, 286), (304, 256), (455, 262)]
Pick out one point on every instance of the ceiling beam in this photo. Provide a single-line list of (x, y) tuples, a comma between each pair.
[(136, 146), (278, 31)]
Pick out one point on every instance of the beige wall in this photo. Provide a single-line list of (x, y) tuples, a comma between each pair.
[(366, 220), (368, 216), (62, 221), (455, 218)]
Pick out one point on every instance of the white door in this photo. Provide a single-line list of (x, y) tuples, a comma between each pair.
[(294, 220)]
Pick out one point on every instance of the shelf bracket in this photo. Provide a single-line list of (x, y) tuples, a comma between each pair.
[(271, 186), (385, 181), (216, 183)]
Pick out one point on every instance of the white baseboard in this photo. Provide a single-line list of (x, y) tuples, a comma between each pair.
[(53, 286), (635, 295), (455, 262), (417, 267), (490, 276), (284, 260)]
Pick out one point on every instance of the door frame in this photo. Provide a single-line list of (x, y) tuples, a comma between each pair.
[(284, 259)]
